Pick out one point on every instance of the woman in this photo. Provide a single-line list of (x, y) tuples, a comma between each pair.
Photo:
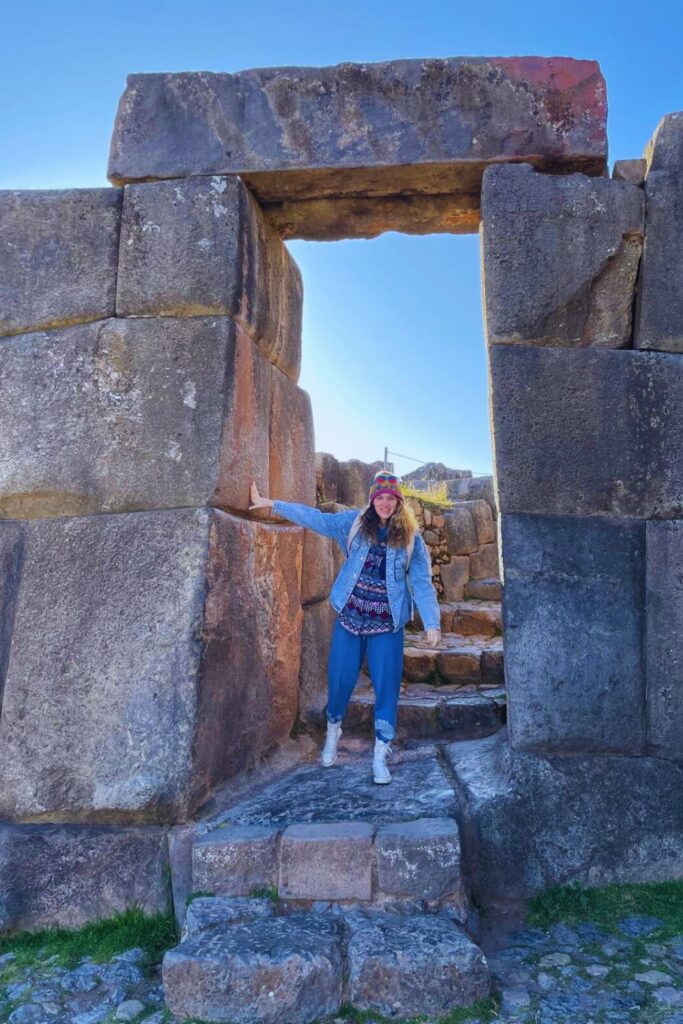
[(388, 562)]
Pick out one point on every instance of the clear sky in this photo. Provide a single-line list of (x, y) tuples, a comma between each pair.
[(393, 347)]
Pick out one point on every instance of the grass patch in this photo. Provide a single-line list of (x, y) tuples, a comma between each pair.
[(607, 905), (435, 496), (266, 892), (199, 894), (100, 940), (484, 1010)]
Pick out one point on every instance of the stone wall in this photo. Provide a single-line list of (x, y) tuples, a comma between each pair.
[(587, 406)]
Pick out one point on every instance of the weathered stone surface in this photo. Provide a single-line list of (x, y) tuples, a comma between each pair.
[(58, 257), (423, 965), (631, 171), (235, 861), (419, 789), (66, 875), (533, 821), (483, 618), (492, 670), (418, 664), (143, 730), (321, 560), (419, 858), (292, 469), (659, 317), (285, 970), (133, 414), (484, 590), (573, 614), (203, 247), (454, 576), (11, 554), (206, 912), (484, 562), (478, 488), (461, 531), (181, 839), (360, 130), (588, 432), (431, 714), (459, 665), (326, 862), (664, 651), (483, 519), (316, 633), (560, 256), (353, 481), (326, 467)]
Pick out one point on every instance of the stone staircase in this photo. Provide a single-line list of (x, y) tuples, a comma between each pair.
[(453, 692), (323, 889)]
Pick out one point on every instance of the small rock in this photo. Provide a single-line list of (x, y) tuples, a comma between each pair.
[(653, 977), (638, 926), (656, 949), (7, 958), (676, 945), (514, 999), (131, 956), (29, 1013), (158, 1018), (51, 1008), (597, 970), (562, 935), (667, 995), (555, 960), (129, 1010), (91, 1017), (82, 979), (18, 989), (614, 947), (546, 982), (589, 932)]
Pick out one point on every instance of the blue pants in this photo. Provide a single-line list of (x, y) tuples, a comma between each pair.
[(385, 662)]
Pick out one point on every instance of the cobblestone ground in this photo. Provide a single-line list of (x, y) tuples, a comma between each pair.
[(565, 975)]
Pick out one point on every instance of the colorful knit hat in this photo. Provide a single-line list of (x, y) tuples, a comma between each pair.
[(385, 483)]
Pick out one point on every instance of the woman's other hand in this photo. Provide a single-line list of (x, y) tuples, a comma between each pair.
[(433, 637), (258, 501)]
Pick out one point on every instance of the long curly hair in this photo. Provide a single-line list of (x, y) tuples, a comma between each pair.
[(402, 525)]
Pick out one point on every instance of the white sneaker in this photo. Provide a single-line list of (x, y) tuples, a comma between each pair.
[(329, 754), (380, 772)]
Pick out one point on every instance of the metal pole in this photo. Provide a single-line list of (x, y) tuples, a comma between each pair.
[(386, 453)]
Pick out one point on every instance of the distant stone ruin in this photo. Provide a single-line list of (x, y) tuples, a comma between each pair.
[(152, 628)]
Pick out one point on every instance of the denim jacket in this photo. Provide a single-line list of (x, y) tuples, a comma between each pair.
[(418, 579)]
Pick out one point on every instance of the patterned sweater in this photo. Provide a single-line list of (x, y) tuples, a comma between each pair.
[(367, 610)]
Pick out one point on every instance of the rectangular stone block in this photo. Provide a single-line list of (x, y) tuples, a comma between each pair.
[(235, 861), (58, 257), (587, 432), (483, 519), (169, 644), (461, 532), (419, 858), (292, 447), (560, 256), (659, 314), (201, 246), (315, 645), (357, 134), (326, 862), (534, 822), (454, 576), (146, 413), (181, 839), (65, 876), (573, 616), (664, 545), (484, 562)]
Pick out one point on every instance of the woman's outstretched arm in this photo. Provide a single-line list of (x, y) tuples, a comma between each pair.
[(330, 524)]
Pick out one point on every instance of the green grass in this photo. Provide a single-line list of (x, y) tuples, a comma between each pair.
[(197, 895), (484, 1010), (100, 940), (267, 892), (607, 905)]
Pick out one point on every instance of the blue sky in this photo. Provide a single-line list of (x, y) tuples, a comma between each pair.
[(393, 346)]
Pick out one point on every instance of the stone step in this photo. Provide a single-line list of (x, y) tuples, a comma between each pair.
[(485, 590), (482, 615), (458, 660), (277, 966), (436, 713)]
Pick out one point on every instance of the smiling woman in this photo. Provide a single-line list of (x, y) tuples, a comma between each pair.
[(387, 563)]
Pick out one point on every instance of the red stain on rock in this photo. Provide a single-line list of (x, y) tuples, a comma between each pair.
[(570, 89)]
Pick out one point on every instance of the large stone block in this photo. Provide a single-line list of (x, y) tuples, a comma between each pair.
[(532, 822), (588, 432), (235, 861), (407, 966), (147, 413), (320, 566), (315, 645), (65, 876), (203, 247), (419, 858), (297, 135), (659, 315), (483, 519), (454, 576), (326, 470), (354, 479), (561, 256), (276, 970), (326, 862), (484, 562), (292, 458), (573, 616), (478, 488), (169, 644), (461, 532), (58, 257), (664, 544)]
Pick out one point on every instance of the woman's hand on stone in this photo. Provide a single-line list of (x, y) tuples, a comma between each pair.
[(257, 500), (433, 637)]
